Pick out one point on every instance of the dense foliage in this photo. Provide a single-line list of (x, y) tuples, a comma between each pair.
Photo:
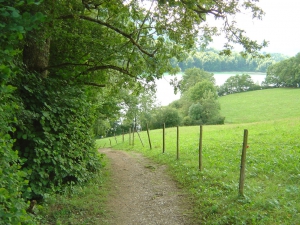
[(13, 26), (53, 133), (165, 115), (212, 61), (285, 73), (12, 179)]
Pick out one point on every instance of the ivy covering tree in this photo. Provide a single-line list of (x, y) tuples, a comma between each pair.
[(69, 62)]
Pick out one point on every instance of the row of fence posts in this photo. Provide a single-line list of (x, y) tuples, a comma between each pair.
[(243, 156), (132, 142)]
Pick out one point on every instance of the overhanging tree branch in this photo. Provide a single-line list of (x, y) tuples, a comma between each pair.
[(94, 84), (66, 64), (200, 10), (105, 67), (124, 34), (92, 69)]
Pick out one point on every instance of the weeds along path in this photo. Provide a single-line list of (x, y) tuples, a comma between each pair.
[(142, 193)]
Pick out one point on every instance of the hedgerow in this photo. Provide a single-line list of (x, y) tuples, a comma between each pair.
[(53, 134)]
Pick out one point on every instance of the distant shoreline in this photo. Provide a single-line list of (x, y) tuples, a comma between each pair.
[(225, 73)]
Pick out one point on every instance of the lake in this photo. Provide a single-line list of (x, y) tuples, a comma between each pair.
[(165, 92)]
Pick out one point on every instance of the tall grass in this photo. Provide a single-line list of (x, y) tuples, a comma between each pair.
[(272, 185)]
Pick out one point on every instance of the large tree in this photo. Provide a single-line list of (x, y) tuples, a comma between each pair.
[(133, 38)]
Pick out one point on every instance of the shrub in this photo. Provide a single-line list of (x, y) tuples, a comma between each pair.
[(54, 134), (187, 121), (12, 179), (166, 115)]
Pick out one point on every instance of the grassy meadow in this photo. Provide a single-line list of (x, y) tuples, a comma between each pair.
[(262, 105), (272, 190)]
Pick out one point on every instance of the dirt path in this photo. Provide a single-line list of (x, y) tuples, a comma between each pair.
[(142, 193)]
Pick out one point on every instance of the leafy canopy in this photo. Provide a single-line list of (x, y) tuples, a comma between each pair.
[(90, 40), (192, 76)]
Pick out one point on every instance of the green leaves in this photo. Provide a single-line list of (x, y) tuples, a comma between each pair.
[(284, 73), (12, 180), (54, 127), (133, 38), (194, 75), (236, 84)]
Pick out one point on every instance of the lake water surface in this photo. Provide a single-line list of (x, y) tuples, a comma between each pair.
[(165, 92)]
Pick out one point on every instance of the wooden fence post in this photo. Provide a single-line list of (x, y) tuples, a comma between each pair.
[(149, 137), (110, 142), (116, 139), (164, 143), (243, 164), (177, 155), (133, 136), (200, 149), (140, 138), (129, 136)]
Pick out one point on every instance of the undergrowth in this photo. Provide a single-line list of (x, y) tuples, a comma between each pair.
[(78, 205)]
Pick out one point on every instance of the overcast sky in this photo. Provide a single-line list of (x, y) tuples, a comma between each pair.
[(280, 26)]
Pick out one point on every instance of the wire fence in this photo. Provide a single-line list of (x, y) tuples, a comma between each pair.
[(132, 133)]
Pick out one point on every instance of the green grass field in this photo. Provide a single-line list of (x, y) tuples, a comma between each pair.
[(263, 105), (272, 184)]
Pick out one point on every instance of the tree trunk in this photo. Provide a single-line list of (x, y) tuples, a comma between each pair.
[(36, 52)]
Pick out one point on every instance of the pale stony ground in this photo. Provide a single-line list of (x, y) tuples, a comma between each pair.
[(142, 193)]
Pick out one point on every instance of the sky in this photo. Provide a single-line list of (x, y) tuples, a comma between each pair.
[(279, 26)]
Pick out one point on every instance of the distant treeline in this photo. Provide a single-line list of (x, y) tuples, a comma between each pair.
[(212, 61)]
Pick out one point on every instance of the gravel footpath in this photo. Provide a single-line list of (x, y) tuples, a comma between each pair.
[(142, 193)]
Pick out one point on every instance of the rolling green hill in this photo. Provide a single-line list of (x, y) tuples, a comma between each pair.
[(262, 105)]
